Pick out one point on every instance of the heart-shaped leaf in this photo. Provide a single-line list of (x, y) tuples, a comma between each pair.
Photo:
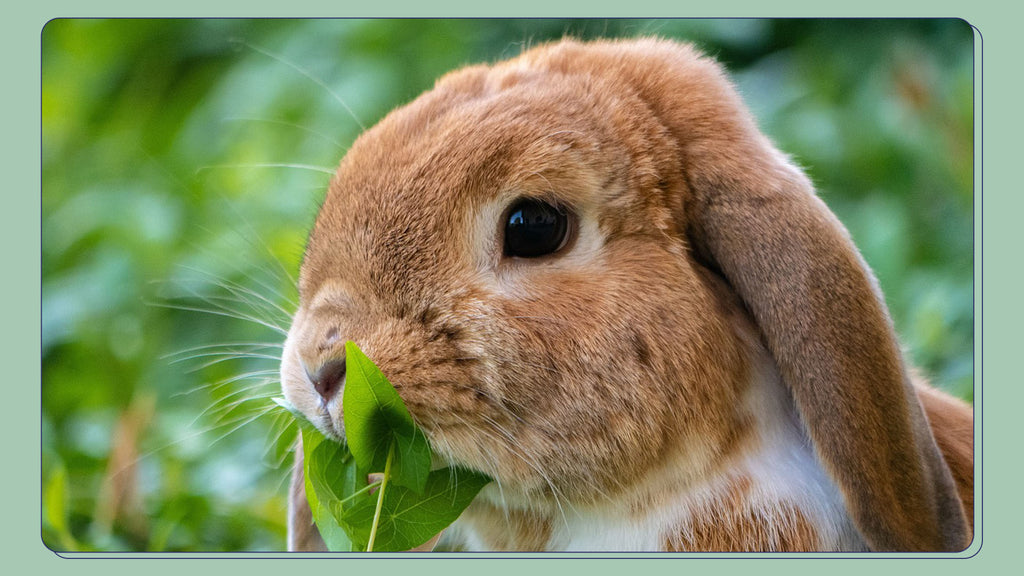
[(412, 503), (408, 519), (375, 416)]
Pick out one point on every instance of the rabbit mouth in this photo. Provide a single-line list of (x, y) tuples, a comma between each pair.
[(332, 428)]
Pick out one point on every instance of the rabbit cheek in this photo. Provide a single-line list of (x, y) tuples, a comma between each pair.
[(610, 392)]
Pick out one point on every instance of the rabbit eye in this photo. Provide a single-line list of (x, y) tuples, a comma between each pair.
[(535, 228)]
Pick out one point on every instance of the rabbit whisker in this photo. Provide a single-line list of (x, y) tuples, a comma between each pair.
[(517, 451), (269, 376), (248, 165), (244, 295), (341, 148), (308, 76)]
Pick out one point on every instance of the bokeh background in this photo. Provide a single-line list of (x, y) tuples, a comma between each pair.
[(183, 162)]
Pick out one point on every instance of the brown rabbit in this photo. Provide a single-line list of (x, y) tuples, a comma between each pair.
[(591, 277)]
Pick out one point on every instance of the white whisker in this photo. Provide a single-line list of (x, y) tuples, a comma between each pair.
[(216, 386), (296, 166), (221, 407), (284, 273), (217, 312), (316, 133), (308, 75), (226, 346), (512, 446), (244, 293)]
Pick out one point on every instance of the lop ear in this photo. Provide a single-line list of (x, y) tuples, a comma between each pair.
[(754, 217)]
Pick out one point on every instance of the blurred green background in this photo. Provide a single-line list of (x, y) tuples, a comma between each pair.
[(183, 162)]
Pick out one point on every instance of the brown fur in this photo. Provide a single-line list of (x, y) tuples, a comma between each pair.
[(571, 377), (747, 531), (730, 524), (952, 423)]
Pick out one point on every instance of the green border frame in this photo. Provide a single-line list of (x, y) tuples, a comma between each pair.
[(997, 91)]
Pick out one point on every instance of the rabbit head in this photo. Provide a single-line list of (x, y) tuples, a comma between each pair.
[(554, 260)]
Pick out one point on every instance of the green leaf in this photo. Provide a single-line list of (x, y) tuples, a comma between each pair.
[(329, 469), (55, 509), (412, 505), (375, 416), (409, 519), (329, 472)]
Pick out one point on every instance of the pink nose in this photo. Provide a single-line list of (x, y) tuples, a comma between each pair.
[(327, 380)]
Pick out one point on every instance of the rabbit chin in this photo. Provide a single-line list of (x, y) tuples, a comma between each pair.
[(770, 494)]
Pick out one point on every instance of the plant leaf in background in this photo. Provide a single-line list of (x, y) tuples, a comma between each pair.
[(55, 517), (375, 416)]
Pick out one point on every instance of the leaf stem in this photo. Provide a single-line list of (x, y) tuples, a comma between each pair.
[(380, 496), (366, 488)]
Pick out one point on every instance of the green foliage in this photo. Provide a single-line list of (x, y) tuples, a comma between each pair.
[(378, 426), (330, 474), (412, 503), (409, 519), (55, 520), (183, 162)]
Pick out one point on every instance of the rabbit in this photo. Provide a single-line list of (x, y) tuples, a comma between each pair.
[(590, 276)]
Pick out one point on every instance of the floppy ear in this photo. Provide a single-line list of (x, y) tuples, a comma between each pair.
[(754, 217)]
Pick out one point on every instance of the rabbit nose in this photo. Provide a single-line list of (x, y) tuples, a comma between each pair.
[(328, 378)]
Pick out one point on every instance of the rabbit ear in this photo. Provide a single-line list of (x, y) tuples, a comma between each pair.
[(752, 216)]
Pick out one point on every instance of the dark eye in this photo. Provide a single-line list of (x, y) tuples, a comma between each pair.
[(535, 228)]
